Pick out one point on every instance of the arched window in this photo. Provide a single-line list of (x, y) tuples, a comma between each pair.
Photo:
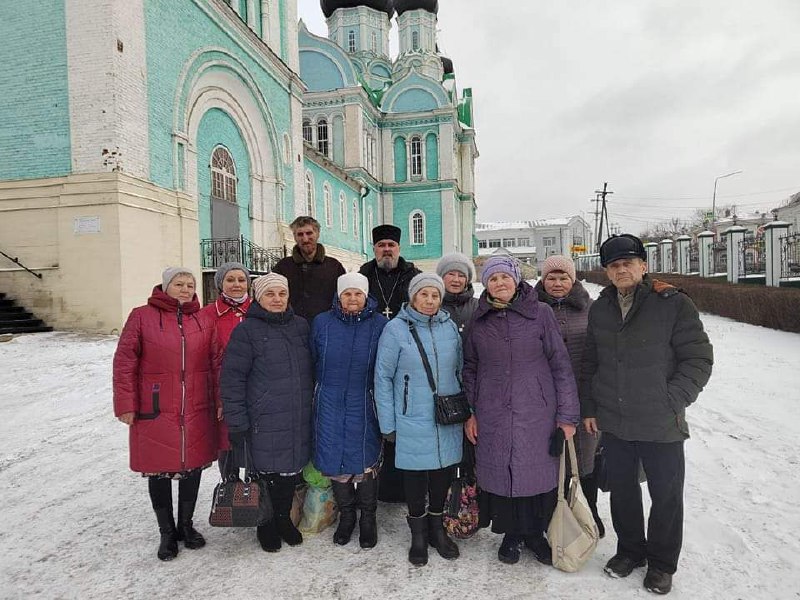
[(323, 145), (223, 175), (308, 132), (416, 156), (415, 40), (326, 192), (374, 42), (351, 41), (287, 149), (416, 224), (342, 212), (356, 219), (309, 194)]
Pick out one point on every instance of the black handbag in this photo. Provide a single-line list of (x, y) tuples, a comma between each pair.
[(240, 503), (450, 410)]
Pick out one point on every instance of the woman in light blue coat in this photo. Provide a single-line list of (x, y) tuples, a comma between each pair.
[(425, 451)]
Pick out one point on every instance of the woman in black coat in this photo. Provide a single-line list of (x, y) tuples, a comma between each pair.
[(457, 272), (267, 385)]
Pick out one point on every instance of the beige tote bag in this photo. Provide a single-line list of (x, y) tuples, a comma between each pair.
[(572, 532)]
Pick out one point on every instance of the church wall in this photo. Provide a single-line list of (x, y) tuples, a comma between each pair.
[(34, 112), (404, 203)]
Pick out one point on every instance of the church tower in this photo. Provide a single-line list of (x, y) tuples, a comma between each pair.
[(416, 20), (359, 26)]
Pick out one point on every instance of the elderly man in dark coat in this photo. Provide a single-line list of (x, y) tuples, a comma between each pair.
[(647, 358)]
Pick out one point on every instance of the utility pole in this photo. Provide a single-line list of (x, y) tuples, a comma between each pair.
[(596, 201), (602, 194)]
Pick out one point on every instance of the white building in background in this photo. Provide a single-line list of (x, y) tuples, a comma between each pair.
[(532, 241), (790, 212)]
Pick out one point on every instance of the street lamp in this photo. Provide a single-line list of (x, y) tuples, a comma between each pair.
[(714, 201)]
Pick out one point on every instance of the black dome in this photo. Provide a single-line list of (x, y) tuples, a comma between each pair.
[(328, 6), (447, 65), (402, 6)]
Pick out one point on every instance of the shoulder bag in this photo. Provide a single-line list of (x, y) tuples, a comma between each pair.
[(572, 532), (450, 410), (240, 503)]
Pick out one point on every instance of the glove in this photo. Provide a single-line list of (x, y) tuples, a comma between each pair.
[(557, 442), (390, 437)]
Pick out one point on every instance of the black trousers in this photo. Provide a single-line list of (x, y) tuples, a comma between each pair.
[(664, 466), (160, 489), (431, 485)]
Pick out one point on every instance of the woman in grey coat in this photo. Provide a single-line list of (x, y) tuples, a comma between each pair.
[(457, 272), (570, 303)]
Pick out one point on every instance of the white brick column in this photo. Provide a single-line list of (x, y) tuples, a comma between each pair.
[(682, 243), (773, 232), (705, 240), (734, 235)]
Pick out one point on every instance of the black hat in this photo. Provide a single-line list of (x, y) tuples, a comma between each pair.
[(386, 232), (624, 245)]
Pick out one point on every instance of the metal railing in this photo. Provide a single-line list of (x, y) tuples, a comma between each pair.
[(718, 257), (752, 260), (16, 261), (790, 255), (694, 257), (215, 252)]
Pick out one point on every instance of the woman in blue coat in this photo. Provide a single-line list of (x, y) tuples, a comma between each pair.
[(267, 386), (348, 439), (425, 450)]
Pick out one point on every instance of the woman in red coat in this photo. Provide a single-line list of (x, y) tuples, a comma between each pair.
[(228, 310), (165, 391)]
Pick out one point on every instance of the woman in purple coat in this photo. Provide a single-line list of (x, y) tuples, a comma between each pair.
[(518, 378)]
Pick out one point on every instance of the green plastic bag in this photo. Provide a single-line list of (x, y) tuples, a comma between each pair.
[(314, 478)]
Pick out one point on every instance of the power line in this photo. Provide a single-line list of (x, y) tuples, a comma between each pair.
[(796, 187)]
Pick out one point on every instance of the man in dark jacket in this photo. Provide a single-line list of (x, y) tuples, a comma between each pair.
[(312, 275), (388, 273), (647, 358)]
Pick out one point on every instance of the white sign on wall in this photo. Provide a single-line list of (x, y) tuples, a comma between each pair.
[(86, 225)]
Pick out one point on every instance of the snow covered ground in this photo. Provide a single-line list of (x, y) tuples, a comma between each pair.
[(76, 523)]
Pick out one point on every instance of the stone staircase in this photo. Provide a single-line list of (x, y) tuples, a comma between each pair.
[(15, 319)]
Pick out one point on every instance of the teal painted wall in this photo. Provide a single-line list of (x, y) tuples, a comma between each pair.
[(400, 160), (218, 129), (415, 100), (429, 202), (174, 31), (334, 235), (432, 156), (34, 111), (319, 72)]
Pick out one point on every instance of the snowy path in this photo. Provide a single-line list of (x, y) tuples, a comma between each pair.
[(76, 522)]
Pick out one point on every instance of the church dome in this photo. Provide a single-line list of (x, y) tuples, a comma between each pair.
[(402, 6), (329, 6), (447, 65)]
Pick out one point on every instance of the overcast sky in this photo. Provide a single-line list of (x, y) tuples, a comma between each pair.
[(656, 97)]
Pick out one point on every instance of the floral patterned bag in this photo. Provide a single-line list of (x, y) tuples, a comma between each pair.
[(461, 508)]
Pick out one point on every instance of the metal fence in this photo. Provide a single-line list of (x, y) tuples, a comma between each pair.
[(718, 257), (215, 252), (694, 257), (752, 260), (790, 255)]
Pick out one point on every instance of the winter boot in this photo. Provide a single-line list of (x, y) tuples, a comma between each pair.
[(186, 532), (509, 549), (418, 553), (168, 548), (589, 489), (367, 496), (268, 537), (540, 548), (438, 538), (345, 495), (282, 491)]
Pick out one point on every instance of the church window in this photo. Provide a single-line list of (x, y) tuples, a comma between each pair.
[(326, 192), (342, 212), (495, 243), (417, 227), (416, 157), (356, 220), (308, 132), (374, 42), (374, 154), (309, 194), (351, 41), (223, 175), (287, 149), (415, 40), (323, 145)]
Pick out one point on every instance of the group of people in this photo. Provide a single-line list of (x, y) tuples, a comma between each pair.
[(310, 363)]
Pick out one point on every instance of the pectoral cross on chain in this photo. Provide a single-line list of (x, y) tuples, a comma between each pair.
[(387, 312)]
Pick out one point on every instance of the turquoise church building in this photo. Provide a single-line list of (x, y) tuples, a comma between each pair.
[(146, 133)]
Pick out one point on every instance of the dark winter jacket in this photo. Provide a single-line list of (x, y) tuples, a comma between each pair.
[(164, 371), (389, 287), (403, 394), (639, 375), (348, 439), (267, 385), (461, 308), (312, 285), (518, 377), (572, 314)]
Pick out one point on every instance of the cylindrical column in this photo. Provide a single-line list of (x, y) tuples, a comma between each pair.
[(705, 240), (773, 232), (682, 243), (666, 255), (652, 256), (734, 236)]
